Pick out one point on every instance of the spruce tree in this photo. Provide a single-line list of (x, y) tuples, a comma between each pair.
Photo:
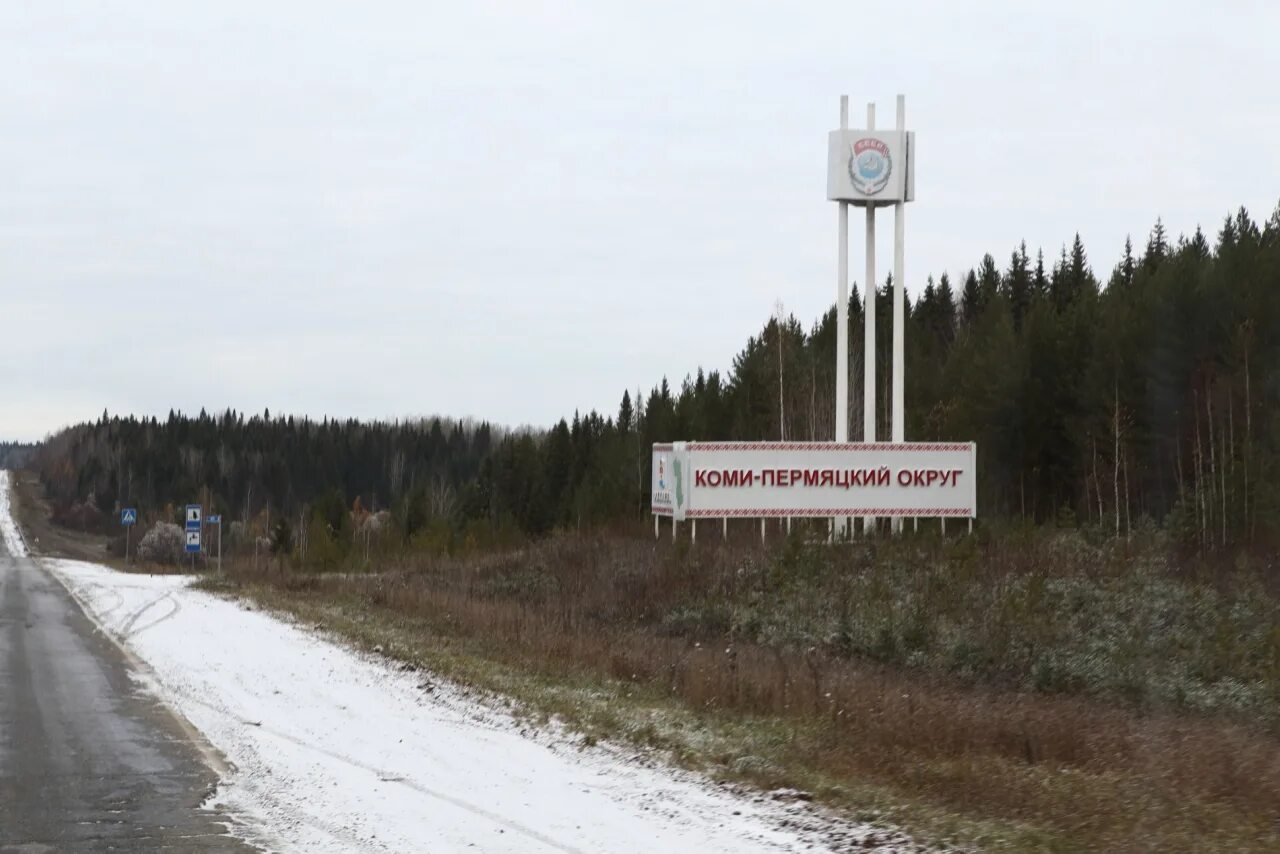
[(988, 280), (1040, 282), (625, 413), (946, 316), (1080, 279), (1018, 285), (1157, 248), (970, 299), (1124, 272)]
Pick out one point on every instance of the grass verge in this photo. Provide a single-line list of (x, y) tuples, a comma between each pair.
[(951, 764)]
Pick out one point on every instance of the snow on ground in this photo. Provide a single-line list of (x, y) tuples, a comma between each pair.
[(336, 751), (8, 527)]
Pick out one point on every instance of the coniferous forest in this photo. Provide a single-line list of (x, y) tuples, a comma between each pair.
[(14, 454), (1117, 395)]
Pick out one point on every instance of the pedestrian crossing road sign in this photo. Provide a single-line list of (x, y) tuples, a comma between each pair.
[(129, 516)]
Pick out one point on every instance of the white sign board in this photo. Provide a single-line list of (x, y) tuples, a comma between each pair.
[(871, 167), (716, 480)]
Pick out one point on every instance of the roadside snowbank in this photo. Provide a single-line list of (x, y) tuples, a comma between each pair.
[(334, 751), (8, 527)]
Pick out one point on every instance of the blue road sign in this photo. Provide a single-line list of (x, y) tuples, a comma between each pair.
[(129, 516), (193, 542), (193, 520), (215, 519)]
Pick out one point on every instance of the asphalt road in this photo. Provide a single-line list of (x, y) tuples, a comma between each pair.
[(88, 760)]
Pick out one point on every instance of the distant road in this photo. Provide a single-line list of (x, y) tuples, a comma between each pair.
[(88, 761)]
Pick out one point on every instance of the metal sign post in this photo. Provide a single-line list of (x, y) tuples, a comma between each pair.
[(871, 168), (841, 525), (128, 518), (869, 330), (898, 413), (193, 526)]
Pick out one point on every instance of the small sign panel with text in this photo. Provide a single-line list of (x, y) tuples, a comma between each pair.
[(662, 495)]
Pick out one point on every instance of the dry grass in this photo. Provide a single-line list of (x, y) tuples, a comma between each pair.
[(33, 512), (976, 759)]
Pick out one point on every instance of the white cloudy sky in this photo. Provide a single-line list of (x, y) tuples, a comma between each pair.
[(512, 210)]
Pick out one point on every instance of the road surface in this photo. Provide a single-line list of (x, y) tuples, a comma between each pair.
[(88, 760)]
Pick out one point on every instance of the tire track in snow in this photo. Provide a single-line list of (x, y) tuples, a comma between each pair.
[(127, 630), (173, 612), (107, 591)]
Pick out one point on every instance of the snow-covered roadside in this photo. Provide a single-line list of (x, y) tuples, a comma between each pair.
[(334, 751), (13, 542)]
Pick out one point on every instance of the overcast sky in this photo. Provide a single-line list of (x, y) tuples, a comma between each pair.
[(515, 210)]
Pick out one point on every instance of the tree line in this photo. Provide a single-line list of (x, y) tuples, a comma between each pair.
[(14, 455), (1146, 395)]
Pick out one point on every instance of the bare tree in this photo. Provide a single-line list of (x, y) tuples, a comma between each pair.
[(1115, 462), (440, 497), (397, 472)]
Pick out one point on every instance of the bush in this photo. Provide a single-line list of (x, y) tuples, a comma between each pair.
[(81, 516), (164, 543)]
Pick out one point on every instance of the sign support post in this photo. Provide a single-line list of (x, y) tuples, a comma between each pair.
[(898, 415), (871, 169), (842, 324), (128, 518), (869, 330)]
